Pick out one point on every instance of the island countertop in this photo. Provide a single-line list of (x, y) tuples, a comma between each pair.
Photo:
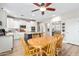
[(33, 32)]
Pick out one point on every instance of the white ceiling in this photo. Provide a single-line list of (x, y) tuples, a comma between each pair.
[(26, 8)]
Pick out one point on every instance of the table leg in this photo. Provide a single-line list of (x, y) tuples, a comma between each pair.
[(40, 51)]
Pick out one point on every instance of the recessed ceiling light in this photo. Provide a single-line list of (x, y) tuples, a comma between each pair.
[(31, 22)]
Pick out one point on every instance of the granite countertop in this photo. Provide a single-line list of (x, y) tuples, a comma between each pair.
[(33, 32), (8, 34)]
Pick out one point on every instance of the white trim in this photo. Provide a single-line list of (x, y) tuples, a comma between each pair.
[(71, 42)]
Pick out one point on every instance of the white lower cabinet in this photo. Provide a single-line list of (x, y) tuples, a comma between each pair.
[(6, 43)]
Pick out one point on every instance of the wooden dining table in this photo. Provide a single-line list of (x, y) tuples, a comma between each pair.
[(39, 42)]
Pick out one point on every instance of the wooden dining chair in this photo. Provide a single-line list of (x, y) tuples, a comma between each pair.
[(50, 48), (27, 50), (59, 40), (53, 46)]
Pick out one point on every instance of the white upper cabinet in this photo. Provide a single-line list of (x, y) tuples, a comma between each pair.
[(11, 23), (3, 19), (6, 22)]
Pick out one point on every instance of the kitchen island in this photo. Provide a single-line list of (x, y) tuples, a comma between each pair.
[(32, 35), (6, 43)]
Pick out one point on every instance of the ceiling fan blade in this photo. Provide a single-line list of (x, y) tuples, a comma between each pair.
[(50, 9), (47, 4), (36, 4), (42, 12), (35, 10)]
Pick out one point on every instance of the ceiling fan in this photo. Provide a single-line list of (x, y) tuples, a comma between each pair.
[(43, 7)]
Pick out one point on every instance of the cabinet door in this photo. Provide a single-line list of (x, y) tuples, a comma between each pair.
[(6, 43), (3, 19), (12, 23)]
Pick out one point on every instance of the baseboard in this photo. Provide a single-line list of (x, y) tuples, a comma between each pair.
[(73, 43), (6, 53)]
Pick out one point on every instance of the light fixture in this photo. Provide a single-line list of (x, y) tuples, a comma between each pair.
[(42, 8), (31, 22)]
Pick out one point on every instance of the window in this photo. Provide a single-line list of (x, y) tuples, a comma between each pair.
[(33, 29), (23, 26)]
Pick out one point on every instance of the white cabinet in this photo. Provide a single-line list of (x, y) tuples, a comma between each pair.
[(11, 23), (3, 19), (6, 43), (7, 22)]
